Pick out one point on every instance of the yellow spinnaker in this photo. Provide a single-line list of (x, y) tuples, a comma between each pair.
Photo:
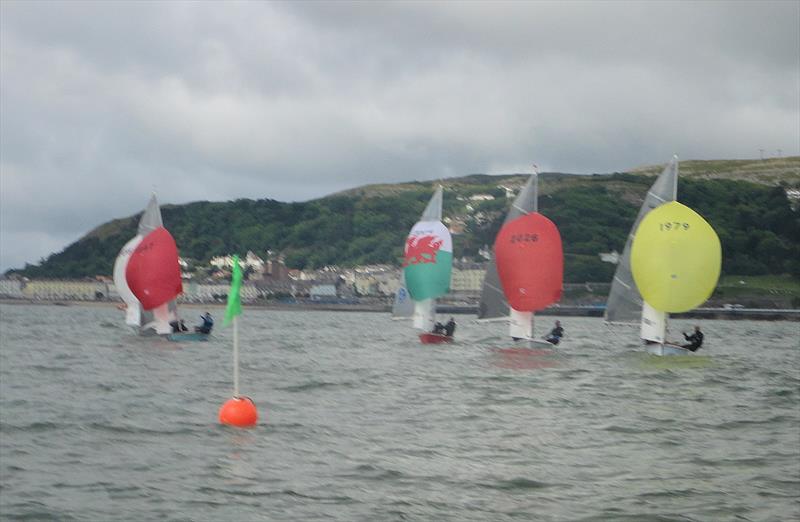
[(675, 258)]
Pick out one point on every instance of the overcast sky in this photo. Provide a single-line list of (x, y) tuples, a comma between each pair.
[(103, 102)]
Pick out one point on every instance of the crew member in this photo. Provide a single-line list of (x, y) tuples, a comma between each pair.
[(695, 340), (208, 324), (555, 335), (450, 328)]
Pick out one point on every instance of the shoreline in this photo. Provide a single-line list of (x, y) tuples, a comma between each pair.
[(731, 314)]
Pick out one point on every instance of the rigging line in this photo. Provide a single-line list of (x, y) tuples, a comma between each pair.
[(496, 289), (623, 283)]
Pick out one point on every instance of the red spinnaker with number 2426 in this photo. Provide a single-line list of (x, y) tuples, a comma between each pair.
[(530, 262)]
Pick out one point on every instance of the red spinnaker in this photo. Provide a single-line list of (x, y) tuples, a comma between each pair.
[(530, 262), (153, 273)]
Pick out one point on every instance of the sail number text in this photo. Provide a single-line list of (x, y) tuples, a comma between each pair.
[(524, 238), (673, 225)]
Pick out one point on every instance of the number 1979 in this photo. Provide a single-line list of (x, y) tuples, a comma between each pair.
[(673, 225)]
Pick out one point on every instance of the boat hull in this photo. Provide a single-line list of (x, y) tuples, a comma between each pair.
[(666, 349), (434, 338), (187, 336), (533, 344)]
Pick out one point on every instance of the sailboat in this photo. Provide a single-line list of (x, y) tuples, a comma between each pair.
[(427, 265), (148, 277), (526, 272), (403, 306), (671, 263)]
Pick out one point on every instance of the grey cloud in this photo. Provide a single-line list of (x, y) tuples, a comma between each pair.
[(102, 102)]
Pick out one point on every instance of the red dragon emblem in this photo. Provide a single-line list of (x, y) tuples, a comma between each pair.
[(421, 249)]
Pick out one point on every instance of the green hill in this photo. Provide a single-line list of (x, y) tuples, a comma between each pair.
[(772, 171), (760, 232)]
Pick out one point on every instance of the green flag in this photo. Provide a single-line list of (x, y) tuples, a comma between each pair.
[(234, 299)]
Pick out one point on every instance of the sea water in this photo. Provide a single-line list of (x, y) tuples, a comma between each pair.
[(358, 421)]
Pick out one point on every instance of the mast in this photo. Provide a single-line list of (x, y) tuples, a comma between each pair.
[(661, 329), (526, 273), (520, 323)]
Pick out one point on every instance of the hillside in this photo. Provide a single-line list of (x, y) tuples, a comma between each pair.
[(772, 171), (760, 233)]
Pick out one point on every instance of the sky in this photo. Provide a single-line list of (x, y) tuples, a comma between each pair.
[(102, 103)]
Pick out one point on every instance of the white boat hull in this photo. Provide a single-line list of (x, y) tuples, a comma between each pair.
[(666, 349), (532, 343)]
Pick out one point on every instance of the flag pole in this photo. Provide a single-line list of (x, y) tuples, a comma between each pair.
[(235, 358), (237, 411)]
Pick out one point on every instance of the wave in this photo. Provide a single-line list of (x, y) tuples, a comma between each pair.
[(316, 385), (33, 427), (519, 483)]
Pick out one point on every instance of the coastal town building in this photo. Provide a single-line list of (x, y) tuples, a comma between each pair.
[(610, 257), (55, 289), (374, 280), (11, 288), (467, 278), (252, 265)]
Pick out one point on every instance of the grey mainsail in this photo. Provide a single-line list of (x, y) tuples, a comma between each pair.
[(433, 211), (151, 217), (493, 302), (624, 304)]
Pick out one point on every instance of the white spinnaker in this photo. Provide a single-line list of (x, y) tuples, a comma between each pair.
[(133, 311), (425, 314)]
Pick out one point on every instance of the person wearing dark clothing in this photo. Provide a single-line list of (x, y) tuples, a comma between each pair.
[(178, 326), (438, 328), (208, 324), (450, 328), (555, 335), (695, 340)]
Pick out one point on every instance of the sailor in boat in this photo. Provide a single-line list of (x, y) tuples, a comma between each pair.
[(695, 340), (555, 335), (178, 326), (450, 328), (438, 328), (208, 324)]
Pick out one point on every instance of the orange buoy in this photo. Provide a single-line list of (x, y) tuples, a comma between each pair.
[(238, 411)]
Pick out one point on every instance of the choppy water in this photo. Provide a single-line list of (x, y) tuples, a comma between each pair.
[(360, 422)]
